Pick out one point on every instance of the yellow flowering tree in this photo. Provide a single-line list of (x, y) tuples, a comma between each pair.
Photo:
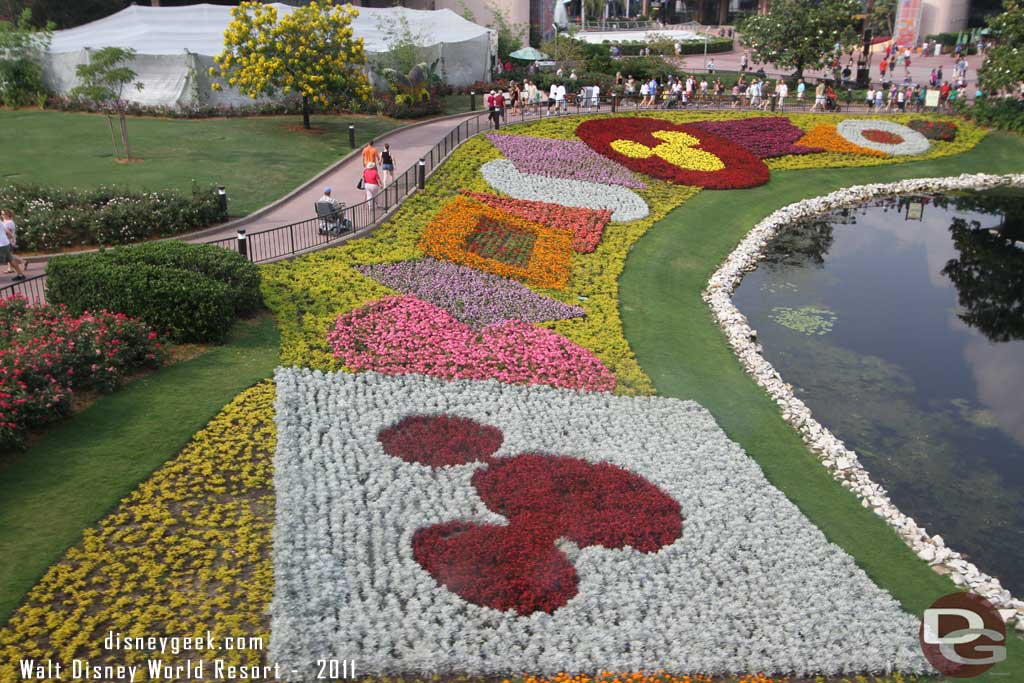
[(311, 52)]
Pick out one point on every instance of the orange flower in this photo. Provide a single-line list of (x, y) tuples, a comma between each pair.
[(824, 135)]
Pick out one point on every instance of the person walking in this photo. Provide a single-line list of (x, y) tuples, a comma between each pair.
[(492, 108), (819, 97), (781, 91), (387, 166), (869, 100), (744, 62), (371, 181), (6, 254), (7, 223), (370, 153), (800, 87)]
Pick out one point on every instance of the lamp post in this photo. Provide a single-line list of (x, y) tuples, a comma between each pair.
[(351, 136)]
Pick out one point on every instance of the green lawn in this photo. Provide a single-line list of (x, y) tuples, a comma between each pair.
[(685, 353), (257, 159), (80, 468)]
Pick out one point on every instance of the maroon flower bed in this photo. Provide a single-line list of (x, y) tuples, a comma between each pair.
[(770, 136), (518, 566), (882, 136), (934, 130), (741, 168)]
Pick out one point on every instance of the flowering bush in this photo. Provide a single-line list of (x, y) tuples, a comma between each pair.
[(680, 153), (475, 234), (402, 335), (55, 218), (586, 224), (46, 354), (887, 137), (934, 130), (765, 136), (366, 566), (503, 176), (473, 297), (562, 159)]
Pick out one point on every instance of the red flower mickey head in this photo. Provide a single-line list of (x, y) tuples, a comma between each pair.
[(544, 497)]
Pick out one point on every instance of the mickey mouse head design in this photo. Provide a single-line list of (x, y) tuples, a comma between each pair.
[(544, 497)]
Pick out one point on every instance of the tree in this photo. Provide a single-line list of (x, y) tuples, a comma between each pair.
[(510, 36), (1004, 63), (882, 17), (564, 50), (801, 34), (403, 45), (103, 81), (311, 52), (21, 50), (61, 13)]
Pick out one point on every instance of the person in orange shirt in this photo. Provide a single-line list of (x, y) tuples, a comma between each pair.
[(370, 154)]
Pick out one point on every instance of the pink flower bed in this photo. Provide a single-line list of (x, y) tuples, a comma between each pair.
[(587, 225), (403, 335)]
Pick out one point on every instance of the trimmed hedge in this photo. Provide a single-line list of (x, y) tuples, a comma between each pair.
[(997, 112), (689, 47), (190, 292)]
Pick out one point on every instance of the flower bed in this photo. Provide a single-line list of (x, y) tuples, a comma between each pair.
[(827, 137), (887, 137), (745, 566), (625, 204), (402, 335), (50, 219), (46, 355), (571, 159), (472, 233), (680, 153), (587, 225), (468, 295), (186, 552), (772, 136), (934, 130)]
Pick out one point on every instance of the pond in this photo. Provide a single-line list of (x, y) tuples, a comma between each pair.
[(901, 324)]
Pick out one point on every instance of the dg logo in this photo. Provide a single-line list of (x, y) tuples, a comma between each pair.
[(962, 635)]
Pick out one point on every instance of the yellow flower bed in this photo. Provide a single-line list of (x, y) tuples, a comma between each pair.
[(187, 552), (677, 149)]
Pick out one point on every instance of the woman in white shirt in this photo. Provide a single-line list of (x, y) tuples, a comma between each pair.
[(7, 232)]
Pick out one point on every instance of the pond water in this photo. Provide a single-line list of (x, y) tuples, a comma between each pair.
[(901, 325)]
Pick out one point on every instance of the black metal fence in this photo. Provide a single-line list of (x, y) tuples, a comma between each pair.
[(307, 235)]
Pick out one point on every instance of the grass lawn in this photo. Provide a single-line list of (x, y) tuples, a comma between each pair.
[(81, 468), (686, 355), (258, 159)]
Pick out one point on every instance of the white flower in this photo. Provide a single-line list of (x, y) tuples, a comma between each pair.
[(502, 175), (913, 143)]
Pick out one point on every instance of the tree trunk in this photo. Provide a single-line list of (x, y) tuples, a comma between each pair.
[(799, 70), (124, 137), (113, 138), (305, 112)]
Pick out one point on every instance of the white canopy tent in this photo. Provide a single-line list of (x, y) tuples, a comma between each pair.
[(175, 47)]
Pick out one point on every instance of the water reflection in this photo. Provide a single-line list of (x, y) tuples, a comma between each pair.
[(901, 324)]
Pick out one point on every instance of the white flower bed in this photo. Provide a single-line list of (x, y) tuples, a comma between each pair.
[(841, 461), (750, 585), (913, 142), (502, 175)]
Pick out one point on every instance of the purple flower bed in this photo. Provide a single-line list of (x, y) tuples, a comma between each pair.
[(562, 159), (478, 299), (764, 136)]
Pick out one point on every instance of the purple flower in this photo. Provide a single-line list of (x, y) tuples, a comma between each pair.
[(769, 136), (562, 159), (473, 297)]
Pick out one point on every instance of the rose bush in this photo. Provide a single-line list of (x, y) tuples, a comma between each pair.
[(46, 355)]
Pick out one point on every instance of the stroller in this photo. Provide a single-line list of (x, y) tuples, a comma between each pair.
[(332, 219)]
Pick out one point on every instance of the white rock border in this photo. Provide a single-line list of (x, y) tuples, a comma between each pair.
[(913, 142), (833, 454)]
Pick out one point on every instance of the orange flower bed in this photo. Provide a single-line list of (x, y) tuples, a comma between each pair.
[(825, 136), (474, 234)]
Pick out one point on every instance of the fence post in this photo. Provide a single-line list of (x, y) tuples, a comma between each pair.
[(351, 136), (421, 174), (291, 234), (243, 247), (615, 103)]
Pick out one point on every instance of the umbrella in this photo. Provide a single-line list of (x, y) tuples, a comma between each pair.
[(528, 54)]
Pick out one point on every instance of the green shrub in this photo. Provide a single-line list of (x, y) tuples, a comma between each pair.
[(53, 218), (221, 265), (1001, 113), (190, 292)]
